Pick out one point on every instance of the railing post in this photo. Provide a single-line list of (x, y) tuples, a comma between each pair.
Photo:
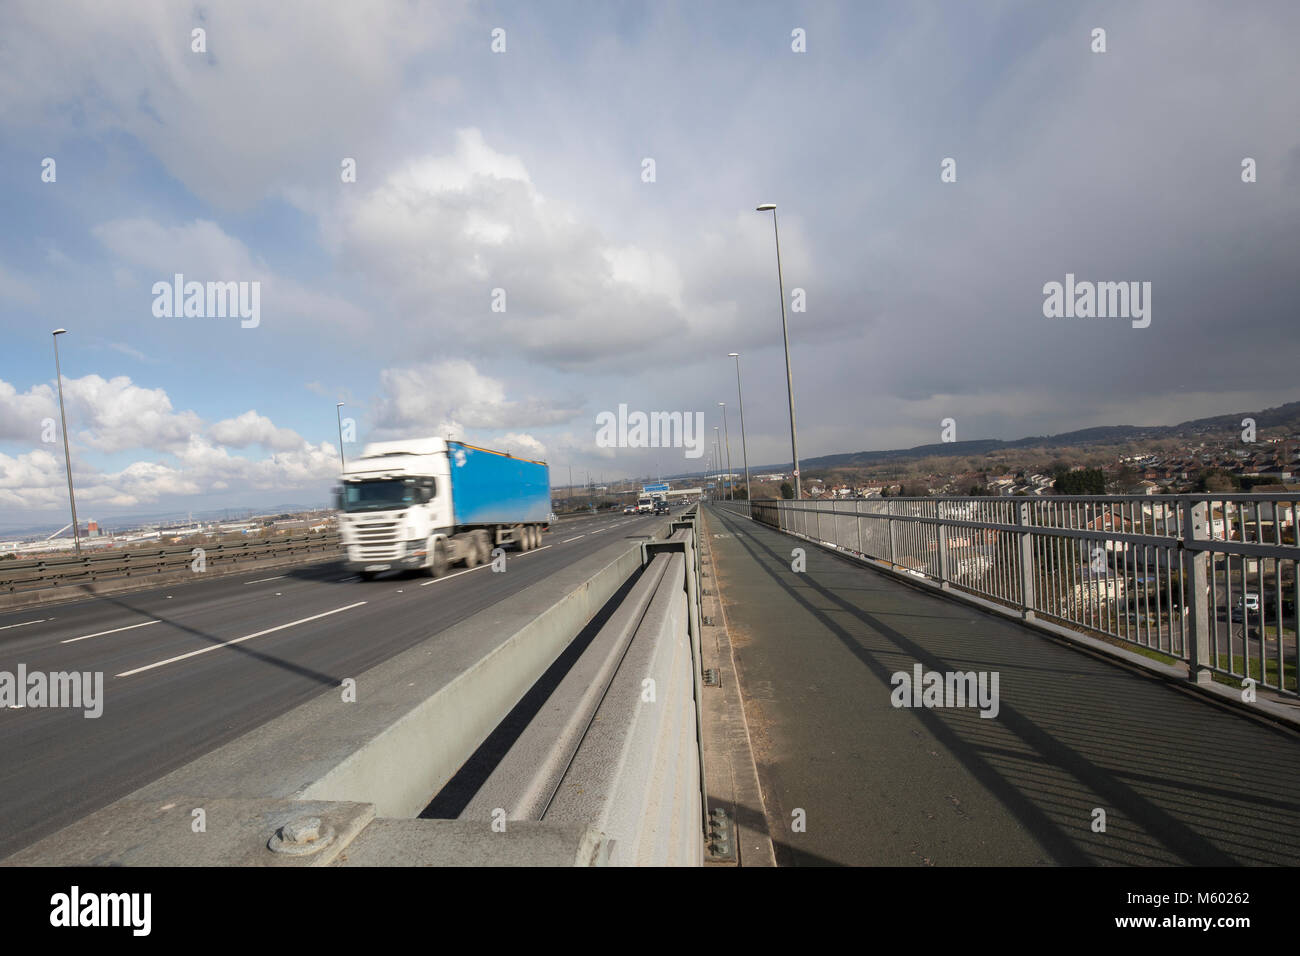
[(889, 523), (1026, 563), (1195, 567), (857, 520), (943, 546)]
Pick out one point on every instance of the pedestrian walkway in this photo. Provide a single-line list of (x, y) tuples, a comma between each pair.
[(1180, 780)]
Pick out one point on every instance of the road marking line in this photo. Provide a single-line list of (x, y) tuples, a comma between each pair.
[(542, 548), (39, 620), (260, 580), (129, 627), (448, 577), (238, 640), (567, 540)]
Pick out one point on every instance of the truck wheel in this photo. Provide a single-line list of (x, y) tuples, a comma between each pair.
[(534, 539), (437, 559), (470, 546), (521, 536), (484, 542)]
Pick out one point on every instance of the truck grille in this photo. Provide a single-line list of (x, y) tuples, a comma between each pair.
[(375, 541)]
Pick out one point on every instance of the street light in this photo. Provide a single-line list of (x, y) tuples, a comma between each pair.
[(67, 456), (728, 436), (339, 415), (789, 381), (743, 450), (717, 447)]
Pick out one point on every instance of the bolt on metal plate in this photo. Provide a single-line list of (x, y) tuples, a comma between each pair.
[(721, 846), (301, 836)]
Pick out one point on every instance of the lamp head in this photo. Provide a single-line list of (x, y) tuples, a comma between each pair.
[(765, 207)]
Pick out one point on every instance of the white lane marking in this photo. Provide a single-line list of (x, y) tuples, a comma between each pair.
[(260, 580), (238, 640), (567, 540), (86, 637), (39, 620), (448, 577)]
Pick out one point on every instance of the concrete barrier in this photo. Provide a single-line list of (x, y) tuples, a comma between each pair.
[(616, 747)]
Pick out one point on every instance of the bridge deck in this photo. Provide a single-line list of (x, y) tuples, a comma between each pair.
[(1181, 780)]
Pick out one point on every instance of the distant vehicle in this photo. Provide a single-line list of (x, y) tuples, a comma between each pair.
[(423, 504), (1247, 604), (551, 519), (645, 504), (630, 510), (661, 507)]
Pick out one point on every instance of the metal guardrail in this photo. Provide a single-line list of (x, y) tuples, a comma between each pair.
[(1207, 579), (17, 576)]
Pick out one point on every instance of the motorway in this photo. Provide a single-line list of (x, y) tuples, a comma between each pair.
[(1182, 780), (188, 667)]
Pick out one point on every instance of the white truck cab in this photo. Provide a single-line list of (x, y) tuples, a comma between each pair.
[(395, 505)]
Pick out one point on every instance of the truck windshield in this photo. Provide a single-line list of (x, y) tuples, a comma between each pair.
[(381, 494)]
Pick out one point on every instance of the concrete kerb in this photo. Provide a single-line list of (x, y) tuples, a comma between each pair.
[(1275, 713), (417, 718), (737, 789)]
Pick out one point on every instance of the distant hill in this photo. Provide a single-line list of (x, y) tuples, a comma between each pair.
[(1287, 416)]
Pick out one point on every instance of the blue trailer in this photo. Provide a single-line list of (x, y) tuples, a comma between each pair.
[(493, 487)]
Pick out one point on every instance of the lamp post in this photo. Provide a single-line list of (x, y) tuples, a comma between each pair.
[(67, 456), (789, 381), (718, 446), (743, 450), (339, 415), (727, 434)]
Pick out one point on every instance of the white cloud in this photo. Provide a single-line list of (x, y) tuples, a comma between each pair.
[(116, 415), (203, 252), (440, 234), (280, 84), (454, 390), (250, 428), (21, 414)]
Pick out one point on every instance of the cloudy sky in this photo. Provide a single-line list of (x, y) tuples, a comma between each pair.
[(524, 170)]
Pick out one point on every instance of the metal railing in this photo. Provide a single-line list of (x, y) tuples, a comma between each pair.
[(1207, 579), (17, 576)]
